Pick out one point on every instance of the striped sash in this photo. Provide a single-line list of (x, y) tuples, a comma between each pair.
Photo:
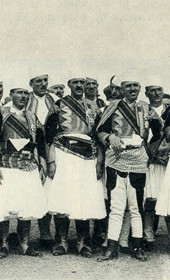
[(129, 115), (75, 107), (19, 128)]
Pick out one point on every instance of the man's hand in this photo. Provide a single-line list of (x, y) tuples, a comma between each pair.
[(115, 143), (99, 170), (51, 169), (1, 177)]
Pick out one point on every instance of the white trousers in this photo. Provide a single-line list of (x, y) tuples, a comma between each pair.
[(121, 195)]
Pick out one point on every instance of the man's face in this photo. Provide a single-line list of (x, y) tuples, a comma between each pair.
[(155, 94), (131, 90), (91, 89), (20, 98), (57, 90), (39, 85), (77, 87), (1, 90), (116, 93)]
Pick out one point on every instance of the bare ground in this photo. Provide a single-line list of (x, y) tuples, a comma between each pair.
[(73, 267)]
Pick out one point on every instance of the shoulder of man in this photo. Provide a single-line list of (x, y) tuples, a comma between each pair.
[(144, 105), (49, 97)]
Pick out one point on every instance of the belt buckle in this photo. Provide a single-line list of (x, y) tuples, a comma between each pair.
[(26, 154)]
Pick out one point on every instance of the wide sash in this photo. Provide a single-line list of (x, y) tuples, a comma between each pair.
[(19, 128), (129, 115), (75, 107)]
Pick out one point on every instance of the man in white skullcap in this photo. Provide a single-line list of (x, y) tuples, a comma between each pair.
[(57, 91), (159, 122), (123, 132), (76, 191), (22, 153), (40, 101)]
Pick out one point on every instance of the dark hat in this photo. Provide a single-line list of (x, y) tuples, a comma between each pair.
[(107, 90)]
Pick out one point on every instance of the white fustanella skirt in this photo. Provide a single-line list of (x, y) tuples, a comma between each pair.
[(75, 190), (22, 194), (154, 178), (163, 200)]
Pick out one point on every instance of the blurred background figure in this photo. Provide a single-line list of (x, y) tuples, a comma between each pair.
[(57, 91), (166, 99), (112, 92)]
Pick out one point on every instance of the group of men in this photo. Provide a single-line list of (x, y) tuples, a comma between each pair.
[(74, 157)]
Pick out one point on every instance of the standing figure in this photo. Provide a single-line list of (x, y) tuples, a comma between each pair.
[(75, 193), (122, 130), (94, 112), (40, 102), (114, 92), (159, 120), (22, 153)]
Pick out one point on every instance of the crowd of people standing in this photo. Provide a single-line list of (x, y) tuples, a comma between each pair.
[(78, 157)]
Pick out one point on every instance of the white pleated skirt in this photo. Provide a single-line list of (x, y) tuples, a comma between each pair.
[(75, 190), (163, 200), (154, 178), (22, 194)]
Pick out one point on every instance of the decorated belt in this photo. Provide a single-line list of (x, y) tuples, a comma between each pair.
[(85, 149), (23, 160)]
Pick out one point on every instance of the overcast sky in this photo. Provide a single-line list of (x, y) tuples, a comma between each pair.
[(79, 38)]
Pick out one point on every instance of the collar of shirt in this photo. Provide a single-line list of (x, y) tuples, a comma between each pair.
[(158, 110), (16, 111), (40, 98)]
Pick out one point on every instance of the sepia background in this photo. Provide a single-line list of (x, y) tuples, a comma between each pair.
[(79, 38), (96, 38)]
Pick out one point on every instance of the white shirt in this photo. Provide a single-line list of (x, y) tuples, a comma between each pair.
[(42, 109)]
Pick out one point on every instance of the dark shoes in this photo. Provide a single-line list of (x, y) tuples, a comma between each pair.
[(139, 254), (4, 252), (29, 252), (86, 252), (110, 253), (59, 250)]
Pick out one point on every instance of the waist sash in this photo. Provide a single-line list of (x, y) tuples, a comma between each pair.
[(23, 160), (85, 149)]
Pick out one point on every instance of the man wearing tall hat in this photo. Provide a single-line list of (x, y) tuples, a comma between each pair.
[(76, 191), (112, 92), (123, 131), (57, 91), (40, 101), (159, 137), (22, 155)]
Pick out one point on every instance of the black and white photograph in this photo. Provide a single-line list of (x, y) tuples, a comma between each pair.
[(85, 140)]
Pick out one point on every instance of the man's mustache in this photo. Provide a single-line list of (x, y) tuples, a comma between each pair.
[(79, 88)]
